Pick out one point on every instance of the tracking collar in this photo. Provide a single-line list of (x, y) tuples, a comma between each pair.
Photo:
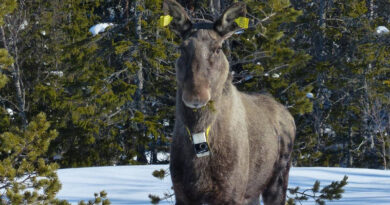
[(200, 142)]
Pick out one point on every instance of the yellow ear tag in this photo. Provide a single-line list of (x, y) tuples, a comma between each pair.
[(242, 22), (165, 20)]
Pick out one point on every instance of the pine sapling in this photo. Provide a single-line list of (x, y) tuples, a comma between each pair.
[(330, 192)]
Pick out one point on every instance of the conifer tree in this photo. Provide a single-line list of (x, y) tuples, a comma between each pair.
[(88, 100), (25, 176), (142, 48), (345, 52)]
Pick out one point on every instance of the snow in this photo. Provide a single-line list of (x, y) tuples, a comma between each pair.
[(275, 75), (309, 95), (328, 131), (248, 77), (165, 123), (124, 184), (57, 157), (161, 156), (133, 184), (10, 111), (23, 25), (57, 73), (99, 28), (382, 30), (241, 31)]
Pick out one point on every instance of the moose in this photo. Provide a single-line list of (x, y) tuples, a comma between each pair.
[(228, 147)]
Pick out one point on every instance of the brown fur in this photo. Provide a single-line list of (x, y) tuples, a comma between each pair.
[(251, 136)]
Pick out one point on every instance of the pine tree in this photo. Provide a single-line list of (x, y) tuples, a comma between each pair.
[(25, 177), (330, 192)]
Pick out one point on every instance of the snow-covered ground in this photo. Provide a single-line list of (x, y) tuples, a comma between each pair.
[(133, 184)]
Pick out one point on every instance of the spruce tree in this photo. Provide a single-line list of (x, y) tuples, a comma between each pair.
[(142, 48)]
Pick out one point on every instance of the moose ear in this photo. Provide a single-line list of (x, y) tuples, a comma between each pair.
[(226, 23), (181, 22)]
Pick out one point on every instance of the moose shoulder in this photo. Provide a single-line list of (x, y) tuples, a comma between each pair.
[(228, 147)]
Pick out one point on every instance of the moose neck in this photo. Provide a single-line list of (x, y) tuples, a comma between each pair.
[(197, 120)]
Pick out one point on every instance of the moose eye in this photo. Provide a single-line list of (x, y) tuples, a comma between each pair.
[(217, 50)]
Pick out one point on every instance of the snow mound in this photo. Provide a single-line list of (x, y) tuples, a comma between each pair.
[(382, 30), (99, 28)]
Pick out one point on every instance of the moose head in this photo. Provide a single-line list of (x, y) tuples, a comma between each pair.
[(202, 68)]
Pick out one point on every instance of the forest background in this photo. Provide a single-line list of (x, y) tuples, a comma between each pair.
[(69, 98)]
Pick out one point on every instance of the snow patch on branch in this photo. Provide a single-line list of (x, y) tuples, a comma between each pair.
[(382, 30), (310, 95), (276, 75), (99, 28), (23, 25), (57, 73), (10, 111)]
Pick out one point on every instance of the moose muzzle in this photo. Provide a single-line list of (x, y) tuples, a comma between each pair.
[(196, 97)]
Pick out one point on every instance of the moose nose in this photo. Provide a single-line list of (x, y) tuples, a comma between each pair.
[(195, 101)]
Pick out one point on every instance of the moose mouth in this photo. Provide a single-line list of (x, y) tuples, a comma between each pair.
[(195, 102), (194, 105)]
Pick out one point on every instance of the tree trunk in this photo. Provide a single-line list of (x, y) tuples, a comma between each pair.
[(384, 156), (215, 6), (371, 9), (16, 76), (319, 41), (384, 151), (319, 56), (20, 94), (188, 4), (349, 147), (140, 147), (153, 153)]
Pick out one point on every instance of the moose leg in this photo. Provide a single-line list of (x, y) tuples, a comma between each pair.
[(181, 198), (275, 193), (255, 201)]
